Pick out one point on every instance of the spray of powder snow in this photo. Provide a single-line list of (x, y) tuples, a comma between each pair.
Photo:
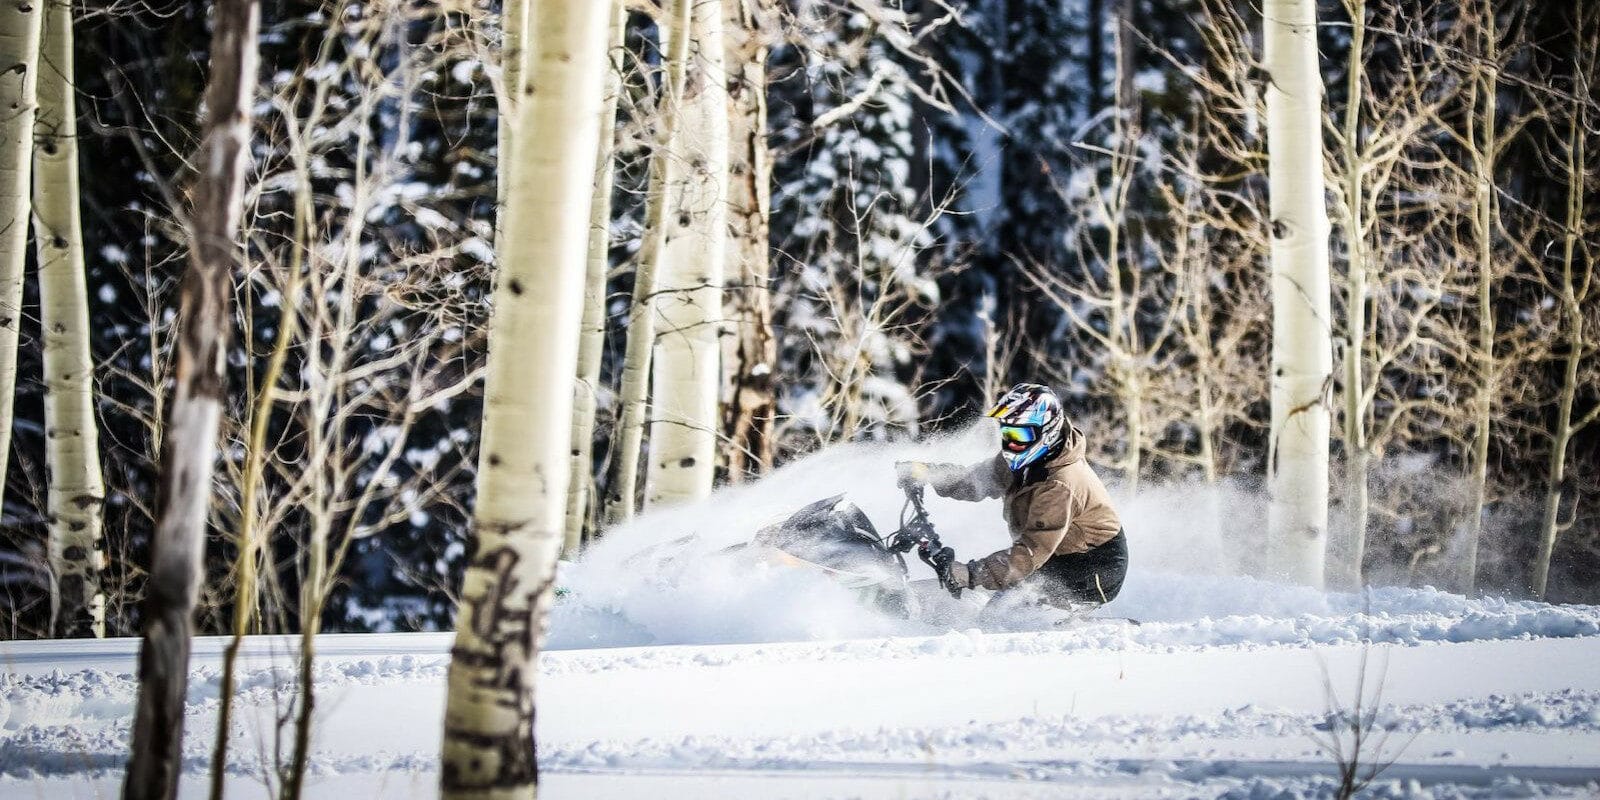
[(665, 578)]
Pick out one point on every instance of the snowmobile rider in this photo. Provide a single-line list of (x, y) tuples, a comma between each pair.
[(1068, 542)]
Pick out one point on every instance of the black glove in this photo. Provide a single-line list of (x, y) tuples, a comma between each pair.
[(943, 560)]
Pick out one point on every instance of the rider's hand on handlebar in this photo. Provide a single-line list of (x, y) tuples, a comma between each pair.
[(953, 575), (910, 474), (940, 558)]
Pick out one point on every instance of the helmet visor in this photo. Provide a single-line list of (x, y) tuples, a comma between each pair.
[(1017, 438)]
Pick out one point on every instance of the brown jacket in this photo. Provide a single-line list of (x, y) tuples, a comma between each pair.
[(1055, 507)]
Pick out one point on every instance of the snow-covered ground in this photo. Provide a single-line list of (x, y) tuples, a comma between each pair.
[(694, 679)]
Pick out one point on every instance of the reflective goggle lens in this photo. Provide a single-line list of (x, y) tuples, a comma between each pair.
[(1012, 434)]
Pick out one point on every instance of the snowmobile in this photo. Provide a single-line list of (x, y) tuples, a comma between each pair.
[(837, 538)]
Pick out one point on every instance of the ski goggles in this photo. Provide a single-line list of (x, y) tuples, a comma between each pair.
[(1018, 437)]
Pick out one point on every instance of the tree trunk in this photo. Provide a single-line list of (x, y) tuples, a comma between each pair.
[(1120, 252), (1302, 357), (72, 439), (1572, 314), (1194, 281), (313, 596), (1483, 156), (1127, 40), (189, 448), (1133, 404), (513, 32), (687, 373), (488, 748), (750, 355), (288, 327), (592, 340), (1095, 55), (1347, 573), (641, 337), (1205, 412), (248, 541), (20, 26)]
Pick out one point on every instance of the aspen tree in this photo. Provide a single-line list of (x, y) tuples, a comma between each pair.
[(513, 33), (488, 744), (750, 353), (1218, 249), (312, 589), (592, 339), (1483, 150), (640, 344), (1195, 262), (1577, 289), (189, 448), (686, 375), (20, 25), (72, 441), (1129, 356), (1354, 165), (1383, 148), (1302, 352)]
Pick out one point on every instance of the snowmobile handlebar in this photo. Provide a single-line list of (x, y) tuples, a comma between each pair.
[(915, 527), (916, 531)]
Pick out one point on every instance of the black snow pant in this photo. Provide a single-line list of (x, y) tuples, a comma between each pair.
[(1080, 579)]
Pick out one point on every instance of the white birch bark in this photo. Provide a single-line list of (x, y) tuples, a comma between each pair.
[(1302, 357), (20, 25), (488, 749), (513, 33), (687, 365), (189, 447), (1574, 295), (640, 344), (592, 339), (1347, 573), (72, 441), (1484, 150)]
